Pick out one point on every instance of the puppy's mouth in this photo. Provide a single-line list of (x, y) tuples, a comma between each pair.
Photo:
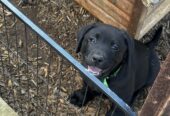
[(98, 71), (94, 70)]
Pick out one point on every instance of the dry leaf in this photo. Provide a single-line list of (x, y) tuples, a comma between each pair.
[(1, 25), (61, 101), (9, 83), (20, 43), (63, 89), (8, 13), (22, 91), (43, 71), (46, 71), (15, 92)]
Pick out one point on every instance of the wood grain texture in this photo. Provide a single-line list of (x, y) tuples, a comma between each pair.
[(158, 100), (150, 16), (106, 12), (124, 5)]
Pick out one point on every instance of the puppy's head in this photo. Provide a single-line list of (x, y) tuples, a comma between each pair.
[(102, 47)]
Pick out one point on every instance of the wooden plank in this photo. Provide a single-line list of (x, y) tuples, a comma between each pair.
[(119, 13), (151, 16), (124, 5), (135, 17), (158, 100), (5, 109), (165, 109), (105, 12), (132, 1), (113, 8), (113, 11)]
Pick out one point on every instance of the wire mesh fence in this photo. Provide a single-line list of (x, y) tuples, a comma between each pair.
[(37, 75)]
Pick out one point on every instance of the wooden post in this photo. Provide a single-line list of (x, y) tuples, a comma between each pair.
[(150, 16), (158, 100)]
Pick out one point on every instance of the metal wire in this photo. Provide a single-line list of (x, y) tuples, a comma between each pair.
[(59, 85), (99, 105), (2, 66), (6, 33), (26, 70), (114, 110), (17, 57), (37, 69), (49, 70)]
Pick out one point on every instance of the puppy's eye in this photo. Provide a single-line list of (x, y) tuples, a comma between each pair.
[(115, 47), (92, 40)]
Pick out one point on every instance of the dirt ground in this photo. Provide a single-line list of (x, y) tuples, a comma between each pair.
[(61, 20)]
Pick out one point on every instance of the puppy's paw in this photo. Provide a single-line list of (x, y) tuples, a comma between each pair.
[(115, 112), (109, 113), (77, 98)]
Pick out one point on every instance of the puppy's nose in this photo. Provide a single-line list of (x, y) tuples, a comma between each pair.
[(97, 58)]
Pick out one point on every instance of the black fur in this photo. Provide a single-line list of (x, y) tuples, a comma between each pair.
[(109, 48)]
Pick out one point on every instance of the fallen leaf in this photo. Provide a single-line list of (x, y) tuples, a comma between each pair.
[(20, 43), (63, 89), (61, 101), (9, 83)]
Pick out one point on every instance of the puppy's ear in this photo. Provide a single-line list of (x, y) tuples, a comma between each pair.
[(81, 33), (154, 40), (130, 50)]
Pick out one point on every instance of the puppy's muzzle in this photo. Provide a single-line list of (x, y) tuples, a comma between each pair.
[(97, 59)]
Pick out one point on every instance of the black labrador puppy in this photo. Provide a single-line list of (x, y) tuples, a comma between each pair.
[(124, 64)]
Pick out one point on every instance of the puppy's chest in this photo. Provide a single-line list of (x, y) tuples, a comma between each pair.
[(106, 80)]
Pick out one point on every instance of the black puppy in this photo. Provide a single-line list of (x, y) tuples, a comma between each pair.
[(126, 65)]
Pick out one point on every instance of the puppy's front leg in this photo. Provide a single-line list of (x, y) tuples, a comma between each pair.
[(82, 96), (115, 111)]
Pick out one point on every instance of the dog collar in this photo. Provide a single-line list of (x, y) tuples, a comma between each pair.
[(113, 73)]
